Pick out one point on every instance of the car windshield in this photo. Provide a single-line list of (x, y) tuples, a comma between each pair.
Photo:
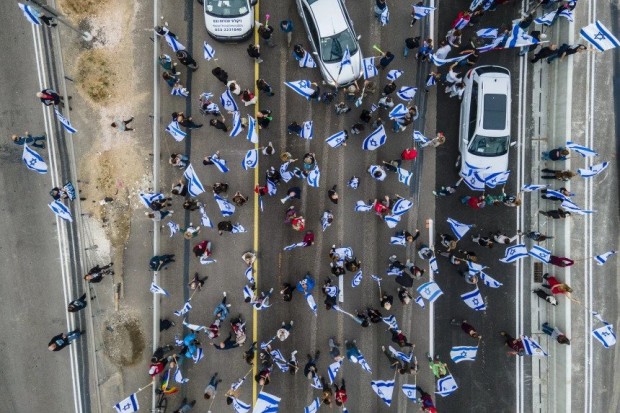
[(227, 8), (489, 146), (332, 48)]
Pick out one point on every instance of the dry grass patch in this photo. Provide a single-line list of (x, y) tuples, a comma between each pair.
[(82, 9), (96, 78)]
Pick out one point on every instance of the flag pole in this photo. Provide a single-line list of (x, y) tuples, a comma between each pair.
[(145, 387), (374, 46)]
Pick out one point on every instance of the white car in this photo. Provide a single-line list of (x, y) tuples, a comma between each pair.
[(484, 130), (330, 31), (229, 20)]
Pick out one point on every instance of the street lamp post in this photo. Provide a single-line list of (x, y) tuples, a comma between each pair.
[(85, 35)]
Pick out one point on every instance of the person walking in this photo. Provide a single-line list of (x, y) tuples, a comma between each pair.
[(556, 287), (515, 344), (49, 97), (220, 74), (36, 141), (333, 195), (394, 362), (77, 304), (545, 52), (264, 87), (286, 26), (265, 31), (285, 330), (187, 60), (566, 50), (121, 124), (557, 154), (555, 334), (438, 368), (186, 406), (310, 369), (482, 241), (96, 274), (341, 394), (211, 388), (399, 338), (157, 262), (560, 261), (467, 328), (537, 236), (555, 214), (254, 52), (227, 344), (62, 340), (427, 401)]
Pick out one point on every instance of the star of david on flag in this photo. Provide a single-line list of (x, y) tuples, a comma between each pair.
[(194, 186), (370, 70), (474, 300), (175, 130), (514, 253), (459, 228), (228, 101), (337, 139), (599, 36), (376, 139), (307, 61), (463, 353), (301, 87), (411, 391), (430, 291), (237, 126), (446, 386), (33, 160), (130, 404), (384, 389), (532, 348), (605, 335), (540, 253), (307, 130), (250, 160)]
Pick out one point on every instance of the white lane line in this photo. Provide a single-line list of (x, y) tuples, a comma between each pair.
[(431, 307)]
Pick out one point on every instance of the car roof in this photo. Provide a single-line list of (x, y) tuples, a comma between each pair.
[(328, 21)]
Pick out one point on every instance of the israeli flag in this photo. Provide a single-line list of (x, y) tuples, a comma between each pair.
[(313, 177), (398, 112), (209, 51), (572, 207), (237, 127), (346, 58), (605, 335), (156, 289), (260, 203), (547, 19), (173, 43), (407, 93), (284, 173), (130, 404), (61, 210), (363, 363), (463, 353), (540, 253), (472, 180), (420, 301), (174, 228), (398, 240), (272, 189), (33, 17), (391, 322), (178, 377), (204, 260), (432, 263), (385, 17), (186, 307), (475, 4), (372, 169), (279, 359), (205, 221), (554, 193), (532, 187), (446, 385), (332, 370), (400, 355), (179, 90), (325, 221), (593, 170), (225, 206), (357, 279), (228, 102), (302, 87), (175, 130), (430, 80), (237, 384), (316, 403), (440, 62), (474, 268), (336, 140), (514, 253), (33, 160), (331, 291), (384, 389), (193, 327), (370, 70), (219, 163), (394, 74), (238, 229), (375, 139), (430, 290), (519, 38), (148, 199), (419, 137), (376, 278), (307, 61), (250, 160), (393, 271), (249, 275), (311, 303), (459, 228), (598, 35), (361, 206), (66, 124), (487, 33), (497, 179), (532, 348), (411, 391), (392, 220), (474, 300), (489, 281), (252, 134), (421, 11), (316, 382), (602, 259), (401, 206), (247, 292), (240, 407), (492, 45), (194, 186), (307, 130), (199, 355)]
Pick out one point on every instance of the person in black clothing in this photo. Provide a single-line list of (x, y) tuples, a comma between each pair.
[(263, 86), (263, 118), (566, 50), (77, 305), (254, 52), (366, 116), (374, 315), (310, 369), (287, 292), (96, 274), (62, 340), (218, 124), (410, 44), (545, 52), (48, 21), (186, 59), (389, 88), (220, 74), (160, 261), (387, 301)]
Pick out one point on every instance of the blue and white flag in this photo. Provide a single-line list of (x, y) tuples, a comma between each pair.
[(33, 17), (547, 18), (280, 360), (384, 389), (431, 80), (463, 353), (66, 124), (407, 93), (593, 170), (337, 139), (432, 263), (598, 35), (419, 137), (384, 18), (411, 391), (363, 363), (313, 177), (238, 229), (225, 206), (440, 62), (398, 240), (474, 300), (391, 220), (572, 207), (316, 382), (148, 199), (446, 386), (228, 101), (237, 126), (205, 221), (173, 227), (332, 370), (311, 302), (325, 222), (519, 38), (400, 355), (474, 268), (472, 179), (179, 90), (219, 163), (331, 291), (209, 51), (393, 271), (205, 260), (532, 348), (376, 139), (430, 291), (394, 74), (391, 321), (33, 160), (156, 289), (240, 407), (370, 70), (489, 281), (398, 112), (475, 4), (130, 404), (420, 301), (605, 335), (495, 43), (284, 173), (459, 228), (61, 210), (581, 150), (421, 11), (401, 206), (175, 130), (266, 403), (248, 292), (602, 259), (357, 279), (514, 253), (557, 194), (361, 206), (497, 179), (173, 43), (307, 61), (194, 186), (252, 134), (302, 87), (488, 33), (272, 188), (540, 253), (316, 403), (307, 130), (532, 187), (249, 275), (186, 307), (193, 327), (250, 160), (178, 376), (346, 59), (199, 355), (376, 278)]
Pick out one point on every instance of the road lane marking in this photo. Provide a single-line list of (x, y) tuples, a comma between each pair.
[(256, 204)]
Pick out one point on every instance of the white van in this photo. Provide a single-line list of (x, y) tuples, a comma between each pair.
[(485, 120), (229, 20)]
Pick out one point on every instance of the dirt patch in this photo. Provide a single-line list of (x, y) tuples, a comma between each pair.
[(81, 9), (95, 77), (123, 339)]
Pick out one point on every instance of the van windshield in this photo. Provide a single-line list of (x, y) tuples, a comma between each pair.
[(227, 8), (489, 146)]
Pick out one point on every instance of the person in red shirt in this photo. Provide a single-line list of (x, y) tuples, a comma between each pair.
[(556, 286), (474, 202), (427, 401), (560, 261), (341, 394), (409, 154), (516, 344)]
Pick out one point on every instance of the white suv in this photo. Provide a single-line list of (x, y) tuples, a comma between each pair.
[(485, 120), (229, 20)]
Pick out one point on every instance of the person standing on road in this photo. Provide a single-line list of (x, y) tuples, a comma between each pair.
[(566, 50), (482, 241), (545, 52), (157, 262), (427, 401), (187, 60), (341, 392), (227, 344), (399, 338), (96, 274), (265, 87), (49, 97), (560, 261), (557, 154), (537, 236), (555, 214), (186, 406), (555, 334), (556, 287), (62, 340), (77, 304), (310, 369), (515, 344), (438, 368), (467, 328), (265, 31), (121, 125), (286, 26), (211, 388), (254, 53), (29, 139)]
